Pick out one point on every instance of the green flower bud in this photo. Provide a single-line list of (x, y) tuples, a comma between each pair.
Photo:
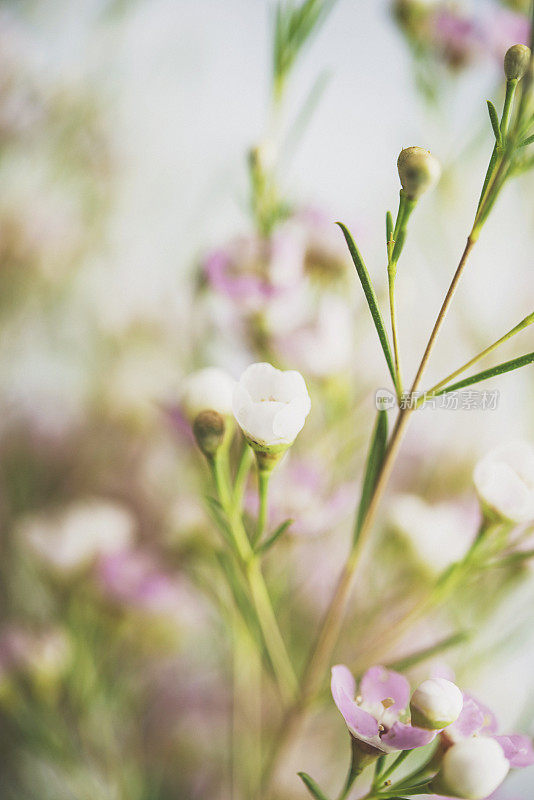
[(435, 704), (516, 61), (418, 171), (209, 428)]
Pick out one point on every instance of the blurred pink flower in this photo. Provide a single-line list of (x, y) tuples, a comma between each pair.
[(135, 579)]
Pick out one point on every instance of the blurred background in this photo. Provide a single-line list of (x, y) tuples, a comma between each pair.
[(130, 255)]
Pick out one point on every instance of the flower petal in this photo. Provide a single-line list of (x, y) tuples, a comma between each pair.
[(359, 722), (518, 749), (380, 683), (471, 720), (289, 420), (406, 737), (342, 678)]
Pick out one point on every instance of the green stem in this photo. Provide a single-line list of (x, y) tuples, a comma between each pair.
[(507, 109), (243, 469), (396, 353), (263, 495), (256, 583), (391, 769)]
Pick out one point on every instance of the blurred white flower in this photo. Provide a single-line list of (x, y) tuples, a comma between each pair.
[(472, 769), (436, 703), (441, 534), (504, 480), (71, 539), (322, 344), (271, 405), (209, 389)]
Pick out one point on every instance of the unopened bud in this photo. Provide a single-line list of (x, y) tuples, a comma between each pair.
[(209, 428), (435, 704), (471, 769), (418, 171), (516, 61)]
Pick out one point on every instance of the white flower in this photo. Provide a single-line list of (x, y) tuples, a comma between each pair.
[(81, 532), (504, 480), (209, 389), (270, 405), (472, 769), (436, 703)]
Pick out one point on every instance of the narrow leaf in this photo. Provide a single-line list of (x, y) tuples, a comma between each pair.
[(217, 514), (370, 296), (501, 369), (527, 141), (268, 543), (312, 787), (389, 234), (375, 458), (494, 119)]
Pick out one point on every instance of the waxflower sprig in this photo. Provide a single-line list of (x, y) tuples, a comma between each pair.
[(384, 450), (270, 406), (469, 759)]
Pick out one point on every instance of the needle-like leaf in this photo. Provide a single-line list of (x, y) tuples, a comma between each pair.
[(312, 787), (500, 369), (494, 119), (375, 458), (370, 296)]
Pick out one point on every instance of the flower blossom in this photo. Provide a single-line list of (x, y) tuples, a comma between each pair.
[(373, 716), (271, 405)]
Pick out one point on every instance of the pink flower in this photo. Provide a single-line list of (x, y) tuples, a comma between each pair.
[(477, 719), (373, 716)]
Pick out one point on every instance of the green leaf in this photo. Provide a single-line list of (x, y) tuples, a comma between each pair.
[(375, 458), (268, 543), (312, 787), (494, 119), (389, 235), (370, 296), (217, 514), (501, 369), (527, 141)]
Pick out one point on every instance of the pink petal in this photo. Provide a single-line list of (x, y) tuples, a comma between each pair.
[(517, 749), (342, 678), (379, 683), (407, 737), (359, 722), (343, 685), (470, 721), (489, 720)]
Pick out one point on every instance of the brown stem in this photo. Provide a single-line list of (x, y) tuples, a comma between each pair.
[(333, 618)]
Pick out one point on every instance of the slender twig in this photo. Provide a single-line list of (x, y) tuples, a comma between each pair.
[(333, 618)]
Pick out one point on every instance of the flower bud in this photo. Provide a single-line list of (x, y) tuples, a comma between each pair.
[(209, 428), (208, 389), (435, 704), (516, 61), (471, 769), (418, 171)]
